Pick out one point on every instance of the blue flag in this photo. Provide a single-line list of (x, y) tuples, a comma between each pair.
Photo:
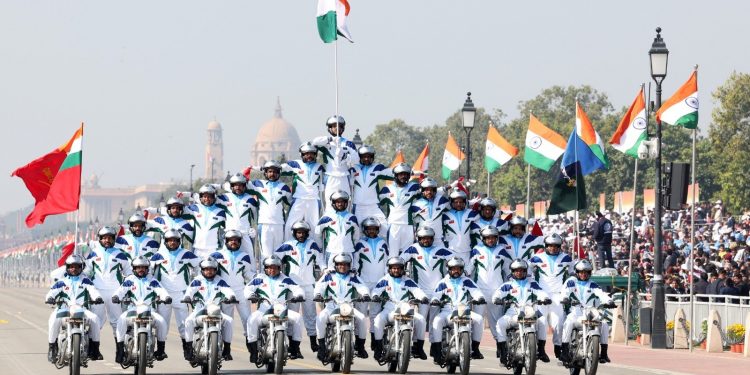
[(578, 151)]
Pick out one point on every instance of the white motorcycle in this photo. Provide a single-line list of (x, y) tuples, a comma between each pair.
[(140, 338), (456, 341), (522, 338), (339, 340), (273, 347), (72, 339), (208, 342), (585, 340), (397, 337)]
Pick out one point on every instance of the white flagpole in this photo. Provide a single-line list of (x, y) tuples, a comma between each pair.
[(336, 90), (80, 191), (691, 273), (630, 255), (488, 183), (528, 189)]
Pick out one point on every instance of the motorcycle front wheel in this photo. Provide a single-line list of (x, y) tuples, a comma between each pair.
[(140, 367), (592, 356), (346, 354), (529, 358), (464, 358), (277, 365), (213, 353), (403, 357), (75, 358)]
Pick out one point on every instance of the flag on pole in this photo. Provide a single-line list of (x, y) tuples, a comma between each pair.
[(67, 251), (632, 129), (54, 180), (569, 192), (331, 19), (497, 150), (586, 132), (452, 157), (682, 108), (398, 159), (543, 145), (423, 160), (578, 151)]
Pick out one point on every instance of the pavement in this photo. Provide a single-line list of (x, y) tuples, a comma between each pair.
[(23, 350)]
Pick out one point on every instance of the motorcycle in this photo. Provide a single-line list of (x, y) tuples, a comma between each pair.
[(140, 337), (73, 347), (456, 339), (585, 340), (522, 339), (208, 342), (397, 337), (272, 339), (339, 339)]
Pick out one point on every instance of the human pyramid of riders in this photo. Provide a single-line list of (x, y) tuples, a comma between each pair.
[(370, 243)]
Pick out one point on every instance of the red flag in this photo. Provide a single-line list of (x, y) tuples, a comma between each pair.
[(536, 230), (246, 172), (54, 180), (423, 162), (67, 251)]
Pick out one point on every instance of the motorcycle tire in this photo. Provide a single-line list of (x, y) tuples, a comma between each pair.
[(347, 355), (529, 363), (464, 357), (75, 357), (403, 357), (213, 353), (277, 365), (592, 356), (140, 367)]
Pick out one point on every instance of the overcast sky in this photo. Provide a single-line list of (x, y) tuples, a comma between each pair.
[(147, 76)]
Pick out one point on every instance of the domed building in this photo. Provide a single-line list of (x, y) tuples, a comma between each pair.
[(275, 138)]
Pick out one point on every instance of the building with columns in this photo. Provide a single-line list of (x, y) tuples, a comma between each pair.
[(275, 138)]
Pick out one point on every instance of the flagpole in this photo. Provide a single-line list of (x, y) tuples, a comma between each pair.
[(528, 188), (575, 151), (80, 192), (692, 240), (630, 255), (336, 90), (488, 183)]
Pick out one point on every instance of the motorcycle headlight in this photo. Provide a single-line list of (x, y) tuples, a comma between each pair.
[(213, 310), (593, 314), (461, 308), (404, 308), (142, 309), (529, 312), (279, 310), (345, 309)]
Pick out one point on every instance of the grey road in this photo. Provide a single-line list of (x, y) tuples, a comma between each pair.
[(23, 349)]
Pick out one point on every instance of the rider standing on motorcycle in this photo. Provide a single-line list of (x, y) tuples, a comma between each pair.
[(208, 219), (236, 268), (206, 288), (365, 177), (272, 195), (307, 184), (239, 207), (136, 243), (370, 254), (173, 220), (273, 287), (141, 288), (456, 288), (299, 259), (397, 201), (581, 290), (521, 290), (395, 287), (488, 261), (341, 284), (550, 270), (488, 217), (457, 225), (173, 267), (107, 266), (519, 244), (337, 229), (431, 205), (339, 154), (74, 288)]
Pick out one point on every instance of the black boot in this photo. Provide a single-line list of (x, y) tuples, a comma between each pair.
[(377, 349), (540, 353), (558, 349), (475, 353), (372, 342), (502, 347), (94, 353), (418, 350), (227, 352), (436, 352), (322, 350), (359, 348), (564, 355), (252, 347), (603, 357), (159, 354), (188, 351), (314, 343), (497, 350), (119, 352), (294, 352), (52, 352)]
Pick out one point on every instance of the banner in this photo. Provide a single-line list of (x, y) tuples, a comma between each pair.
[(649, 199), (521, 209), (690, 190), (602, 202)]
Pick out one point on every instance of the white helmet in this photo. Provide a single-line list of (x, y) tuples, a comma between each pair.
[(370, 222), (401, 168), (174, 200), (583, 265), (553, 239), (428, 182), (457, 194), (395, 261), (488, 202), (340, 194), (140, 261), (425, 231), (271, 164), (273, 260), (238, 178), (307, 147), (172, 233), (300, 225), (209, 262), (107, 230), (456, 262), (232, 233), (334, 119), (342, 258), (207, 189), (136, 217), (75, 259), (489, 231), (518, 220), (366, 149)]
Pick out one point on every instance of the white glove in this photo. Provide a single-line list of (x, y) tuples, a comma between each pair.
[(252, 233)]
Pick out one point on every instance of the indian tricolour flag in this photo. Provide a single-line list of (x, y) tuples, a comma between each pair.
[(632, 129), (497, 150), (452, 157), (543, 145), (332, 16), (682, 108), (586, 132)]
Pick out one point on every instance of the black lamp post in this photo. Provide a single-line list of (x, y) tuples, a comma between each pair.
[(357, 140), (120, 216), (468, 113), (191, 178), (658, 55)]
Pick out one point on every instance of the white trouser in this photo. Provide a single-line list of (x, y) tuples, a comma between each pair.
[(180, 312), (572, 322), (400, 236), (55, 324), (309, 309), (334, 184), (226, 326), (369, 309), (428, 311), (123, 322), (270, 237), (359, 322), (302, 209), (511, 321), (363, 211), (108, 310), (243, 308), (443, 318), (555, 316), (203, 252), (465, 255), (490, 312), (386, 316), (258, 320), (247, 246)]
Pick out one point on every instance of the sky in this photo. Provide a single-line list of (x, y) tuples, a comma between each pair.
[(148, 76)]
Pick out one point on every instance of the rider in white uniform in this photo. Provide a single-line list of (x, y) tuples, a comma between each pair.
[(457, 225), (370, 254), (339, 154), (137, 243), (107, 266), (272, 196), (208, 219), (431, 206), (337, 230), (365, 178), (307, 186), (173, 218), (398, 200), (239, 206)]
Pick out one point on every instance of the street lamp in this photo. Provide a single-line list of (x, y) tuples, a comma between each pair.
[(357, 140), (191, 178), (468, 113), (658, 56), (120, 216)]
